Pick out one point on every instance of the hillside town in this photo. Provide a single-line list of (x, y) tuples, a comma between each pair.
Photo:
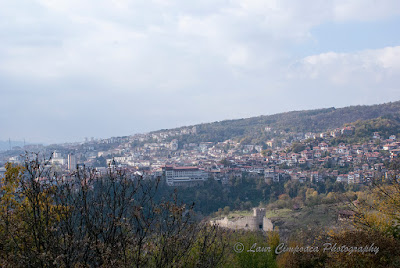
[(162, 154)]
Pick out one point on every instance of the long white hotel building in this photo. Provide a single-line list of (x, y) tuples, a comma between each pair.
[(180, 176)]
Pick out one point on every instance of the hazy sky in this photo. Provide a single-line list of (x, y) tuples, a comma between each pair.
[(71, 69)]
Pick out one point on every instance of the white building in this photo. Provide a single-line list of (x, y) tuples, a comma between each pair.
[(57, 159), (176, 176), (174, 145), (72, 162)]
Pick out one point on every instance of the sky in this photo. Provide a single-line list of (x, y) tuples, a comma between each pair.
[(71, 69)]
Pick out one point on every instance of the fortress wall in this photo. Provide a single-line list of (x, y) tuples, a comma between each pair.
[(256, 222), (249, 223), (246, 223), (267, 225)]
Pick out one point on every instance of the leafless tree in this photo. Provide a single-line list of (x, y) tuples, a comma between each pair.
[(84, 219)]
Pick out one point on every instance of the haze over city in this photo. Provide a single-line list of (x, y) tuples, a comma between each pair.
[(75, 69)]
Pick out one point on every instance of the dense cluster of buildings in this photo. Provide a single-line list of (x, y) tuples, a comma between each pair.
[(162, 153)]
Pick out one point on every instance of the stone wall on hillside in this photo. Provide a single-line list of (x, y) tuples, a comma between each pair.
[(256, 222)]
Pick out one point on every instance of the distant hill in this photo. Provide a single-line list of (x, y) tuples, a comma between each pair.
[(5, 145), (253, 129)]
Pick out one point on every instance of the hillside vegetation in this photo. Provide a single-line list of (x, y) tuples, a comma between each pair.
[(253, 129), (364, 129)]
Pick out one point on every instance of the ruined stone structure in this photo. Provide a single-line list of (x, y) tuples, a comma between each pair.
[(256, 222)]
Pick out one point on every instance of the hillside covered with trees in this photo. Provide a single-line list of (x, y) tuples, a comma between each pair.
[(319, 120), (47, 220)]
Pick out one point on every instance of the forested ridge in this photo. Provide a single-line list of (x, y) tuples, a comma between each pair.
[(317, 120)]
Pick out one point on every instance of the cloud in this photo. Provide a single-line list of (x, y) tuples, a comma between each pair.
[(81, 37), (362, 77), (344, 68), (152, 64), (365, 10)]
